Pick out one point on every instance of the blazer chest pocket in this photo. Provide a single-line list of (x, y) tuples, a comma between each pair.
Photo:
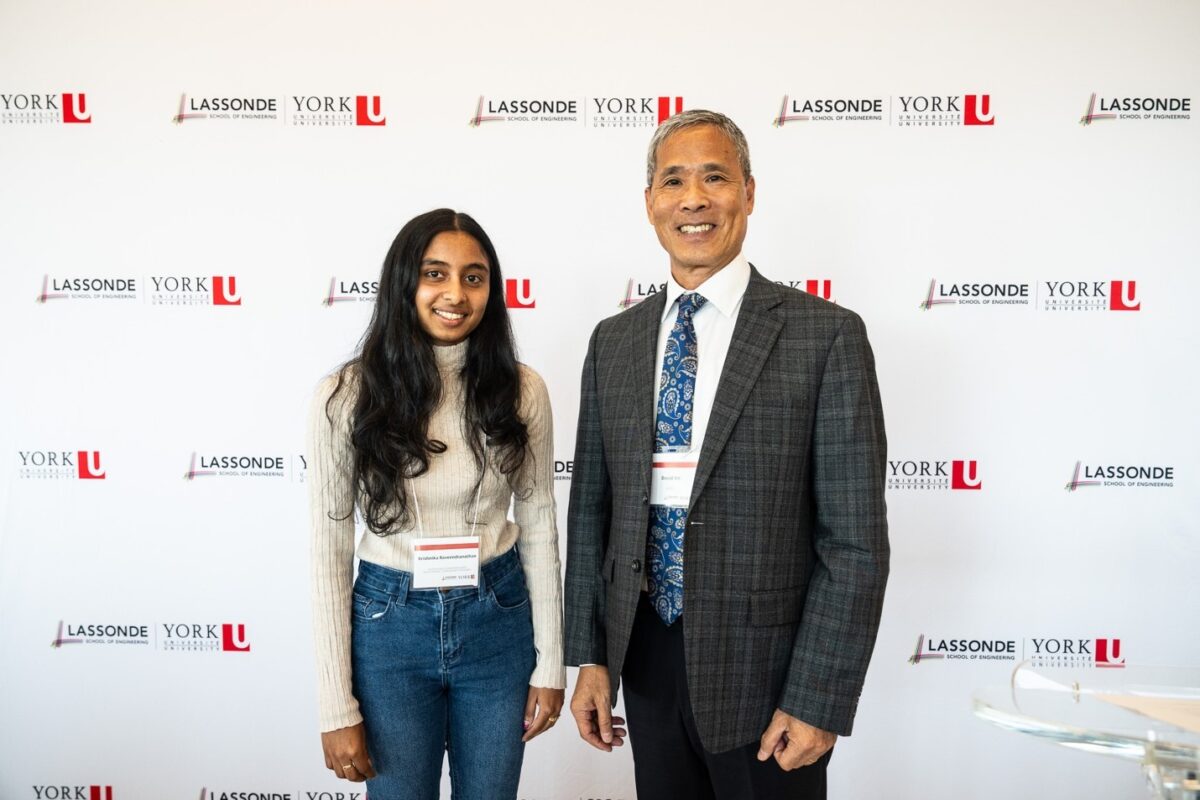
[(782, 607)]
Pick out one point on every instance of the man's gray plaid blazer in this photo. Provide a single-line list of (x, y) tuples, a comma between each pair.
[(786, 550)]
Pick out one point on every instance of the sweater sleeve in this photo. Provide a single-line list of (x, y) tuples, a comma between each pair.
[(535, 513), (331, 507)]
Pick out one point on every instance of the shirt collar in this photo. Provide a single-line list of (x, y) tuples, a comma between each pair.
[(723, 289)]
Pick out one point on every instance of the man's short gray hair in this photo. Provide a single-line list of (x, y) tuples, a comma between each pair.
[(690, 119)]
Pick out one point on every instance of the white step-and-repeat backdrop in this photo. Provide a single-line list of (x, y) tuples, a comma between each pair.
[(195, 199)]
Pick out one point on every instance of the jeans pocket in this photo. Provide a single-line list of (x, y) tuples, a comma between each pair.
[(510, 593), (369, 605)]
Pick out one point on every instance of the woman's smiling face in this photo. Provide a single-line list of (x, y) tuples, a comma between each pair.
[(453, 287)]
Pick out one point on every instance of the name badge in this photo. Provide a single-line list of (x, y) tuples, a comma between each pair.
[(445, 561), (671, 478)]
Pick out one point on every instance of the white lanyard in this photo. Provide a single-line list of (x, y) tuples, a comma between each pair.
[(412, 491)]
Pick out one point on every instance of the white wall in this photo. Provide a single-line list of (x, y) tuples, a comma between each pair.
[(878, 208)]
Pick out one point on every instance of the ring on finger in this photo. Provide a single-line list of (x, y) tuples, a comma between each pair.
[(347, 766)]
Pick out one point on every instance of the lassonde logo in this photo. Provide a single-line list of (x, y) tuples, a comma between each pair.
[(525, 110), (60, 465), (26, 108), (1144, 108), (1125, 476), (1107, 295), (66, 792), (518, 293), (62, 287), (563, 469), (62, 638), (957, 474), (934, 648), (100, 633), (998, 294), (226, 465), (331, 111), (636, 292), (840, 109), (226, 108), (342, 290)]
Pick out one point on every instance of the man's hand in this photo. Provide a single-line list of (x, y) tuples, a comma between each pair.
[(792, 742), (346, 753), (592, 708)]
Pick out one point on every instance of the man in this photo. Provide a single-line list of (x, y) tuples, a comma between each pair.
[(727, 534)]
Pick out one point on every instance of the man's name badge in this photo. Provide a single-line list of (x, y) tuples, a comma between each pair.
[(671, 478), (445, 561)]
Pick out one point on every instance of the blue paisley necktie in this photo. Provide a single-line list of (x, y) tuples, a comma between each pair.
[(673, 430)]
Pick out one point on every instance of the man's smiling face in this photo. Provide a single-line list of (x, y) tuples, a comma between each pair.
[(699, 200)]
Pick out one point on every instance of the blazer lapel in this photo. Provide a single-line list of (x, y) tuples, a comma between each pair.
[(753, 337), (643, 341)]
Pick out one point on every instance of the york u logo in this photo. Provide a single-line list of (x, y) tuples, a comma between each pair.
[(234, 639), (1122, 296), (518, 293), (664, 108), (92, 792), (75, 108), (1108, 653), (224, 291), (89, 465), (977, 110), (369, 110), (965, 475)]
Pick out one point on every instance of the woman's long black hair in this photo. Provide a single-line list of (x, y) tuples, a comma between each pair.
[(399, 386)]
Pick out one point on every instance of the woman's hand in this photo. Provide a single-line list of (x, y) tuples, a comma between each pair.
[(346, 752), (541, 710)]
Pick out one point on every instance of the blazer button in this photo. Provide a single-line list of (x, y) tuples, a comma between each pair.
[(636, 566), (645, 499)]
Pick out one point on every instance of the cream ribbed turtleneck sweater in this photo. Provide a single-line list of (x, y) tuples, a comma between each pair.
[(446, 496)]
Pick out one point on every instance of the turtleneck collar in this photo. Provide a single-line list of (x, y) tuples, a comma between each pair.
[(451, 358)]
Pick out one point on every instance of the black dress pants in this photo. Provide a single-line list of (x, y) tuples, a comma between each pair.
[(668, 760)]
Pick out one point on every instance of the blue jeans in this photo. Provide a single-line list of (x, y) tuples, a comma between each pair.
[(439, 671)]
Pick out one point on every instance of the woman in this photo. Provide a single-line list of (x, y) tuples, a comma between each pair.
[(431, 431)]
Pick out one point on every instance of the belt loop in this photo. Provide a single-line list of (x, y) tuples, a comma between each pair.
[(405, 580), (483, 588)]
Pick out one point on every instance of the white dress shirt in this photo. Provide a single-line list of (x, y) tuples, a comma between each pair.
[(714, 324)]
